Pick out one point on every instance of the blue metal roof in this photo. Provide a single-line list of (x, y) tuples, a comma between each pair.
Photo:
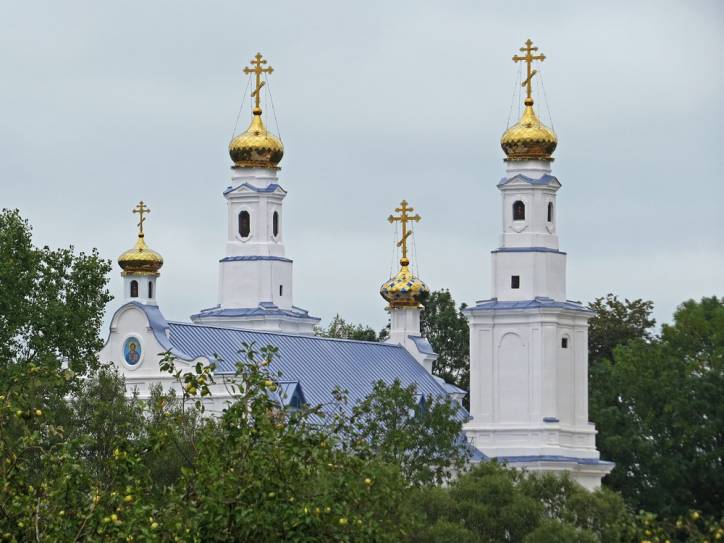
[(317, 364), (539, 302), (269, 188), (545, 179), (422, 344), (253, 258), (552, 458), (527, 250), (264, 308)]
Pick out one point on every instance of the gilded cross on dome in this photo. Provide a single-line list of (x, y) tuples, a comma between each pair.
[(528, 59), (258, 61), (404, 218), (142, 209)]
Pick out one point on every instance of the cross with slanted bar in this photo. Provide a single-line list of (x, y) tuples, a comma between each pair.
[(141, 209), (404, 218), (258, 61), (528, 59)]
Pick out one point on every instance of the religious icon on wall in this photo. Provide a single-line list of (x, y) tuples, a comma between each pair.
[(132, 351)]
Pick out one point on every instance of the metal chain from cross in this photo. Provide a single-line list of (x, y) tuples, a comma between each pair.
[(528, 59), (142, 209), (258, 61), (404, 218)]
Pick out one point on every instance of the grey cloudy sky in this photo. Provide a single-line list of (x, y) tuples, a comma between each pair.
[(106, 103)]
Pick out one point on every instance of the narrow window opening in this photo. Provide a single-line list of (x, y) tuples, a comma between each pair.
[(150, 289), (515, 281), (281, 290), (275, 224), (244, 224), (564, 343), (550, 211), (134, 289), (518, 211)]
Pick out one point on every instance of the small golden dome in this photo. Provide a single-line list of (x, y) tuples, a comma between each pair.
[(404, 289), (141, 260), (257, 147), (529, 139)]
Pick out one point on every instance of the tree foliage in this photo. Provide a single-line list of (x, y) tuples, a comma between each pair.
[(52, 301), (341, 329), (422, 436), (615, 323), (446, 328), (658, 408)]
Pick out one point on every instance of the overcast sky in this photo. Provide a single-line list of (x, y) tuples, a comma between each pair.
[(107, 103)]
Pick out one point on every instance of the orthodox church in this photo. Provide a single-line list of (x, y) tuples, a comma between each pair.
[(528, 343)]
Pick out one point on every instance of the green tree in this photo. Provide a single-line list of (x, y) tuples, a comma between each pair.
[(341, 329), (420, 435), (446, 328), (616, 323), (52, 300), (494, 503), (660, 416)]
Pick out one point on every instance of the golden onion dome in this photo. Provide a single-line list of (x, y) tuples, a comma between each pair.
[(404, 289), (141, 260), (529, 138), (257, 147)]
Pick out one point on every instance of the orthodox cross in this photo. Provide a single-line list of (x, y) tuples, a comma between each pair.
[(528, 59), (258, 61), (141, 209), (404, 218)]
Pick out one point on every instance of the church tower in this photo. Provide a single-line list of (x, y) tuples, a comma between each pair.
[(140, 266), (528, 343), (404, 292), (255, 277)]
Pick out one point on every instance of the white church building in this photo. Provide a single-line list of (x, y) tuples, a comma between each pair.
[(528, 343)]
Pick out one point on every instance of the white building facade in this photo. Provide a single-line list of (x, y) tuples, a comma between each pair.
[(528, 342)]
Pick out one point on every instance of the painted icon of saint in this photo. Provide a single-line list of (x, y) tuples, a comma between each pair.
[(132, 351)]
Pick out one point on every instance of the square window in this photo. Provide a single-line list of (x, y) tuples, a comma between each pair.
[(515, 281), (564, 343)]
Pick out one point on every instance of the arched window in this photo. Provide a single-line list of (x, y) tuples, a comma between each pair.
[(518, 211), (244, 224), (134, 289), (150, 289), (550, 211), (275, 224), (281, 290)]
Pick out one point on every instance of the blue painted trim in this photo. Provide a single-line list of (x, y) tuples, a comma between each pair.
[(527, 250), (545, 179), (540, 302), (269, 188), (254, 258), (552, 458)]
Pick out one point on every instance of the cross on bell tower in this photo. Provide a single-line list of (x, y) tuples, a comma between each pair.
[(258, 61), (528, 59), (404, 218), (142, 209)]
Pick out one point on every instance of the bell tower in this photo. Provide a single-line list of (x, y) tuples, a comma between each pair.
[(255, 276), (140, 265), (528, 343)]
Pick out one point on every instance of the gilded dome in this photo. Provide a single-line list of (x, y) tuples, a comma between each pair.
[(141, 260), (404, 289), (529, 139), (257, 147)]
